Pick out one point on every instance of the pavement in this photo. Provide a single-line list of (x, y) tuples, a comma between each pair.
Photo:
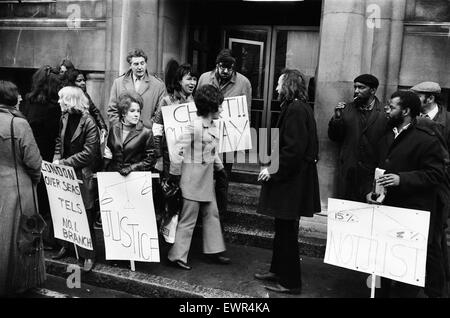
[(207, 280)]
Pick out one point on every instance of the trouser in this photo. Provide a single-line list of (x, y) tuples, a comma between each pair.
[(435, 278), (212, 234), (221, 189), (285, 257)]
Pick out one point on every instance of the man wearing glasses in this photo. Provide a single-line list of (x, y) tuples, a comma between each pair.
[(230, 83)]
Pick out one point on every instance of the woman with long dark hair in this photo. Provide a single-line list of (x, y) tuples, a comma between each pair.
[(180, 91), (290, 186), (43, 112)]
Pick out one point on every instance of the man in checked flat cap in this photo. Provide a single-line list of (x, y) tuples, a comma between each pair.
[(357, 127)]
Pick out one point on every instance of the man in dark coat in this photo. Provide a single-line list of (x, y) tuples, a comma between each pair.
[(357, 127), (291, 188), (429, 94), (412, 156)]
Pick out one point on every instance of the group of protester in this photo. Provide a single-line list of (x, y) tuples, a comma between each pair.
[(409, 139), (59, 123)]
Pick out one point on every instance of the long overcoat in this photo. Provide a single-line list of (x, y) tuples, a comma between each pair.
[(416, 156), (17, 272), (358, 149), (293, 189), (151, 89)]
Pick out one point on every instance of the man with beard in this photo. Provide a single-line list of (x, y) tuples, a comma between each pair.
[(230, 83), (357, 127), (411, 155)]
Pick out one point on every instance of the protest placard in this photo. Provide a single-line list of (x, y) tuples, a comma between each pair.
[(234, 125), (381, 240), (128, 216), (69, 218)]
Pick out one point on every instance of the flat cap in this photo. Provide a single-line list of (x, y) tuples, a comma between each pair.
[(427, 87)]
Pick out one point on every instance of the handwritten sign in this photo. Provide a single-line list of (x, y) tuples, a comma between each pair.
[(66, 204), (234, 125), (382, 240), (128, 216)]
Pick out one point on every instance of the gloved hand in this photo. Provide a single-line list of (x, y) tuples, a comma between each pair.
[(125, 171), (174, 179)]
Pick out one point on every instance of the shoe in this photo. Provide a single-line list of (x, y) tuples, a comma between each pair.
[(88, 264), (62, 252), (180, 264), (267, 276), (218, 258), (280, 289)]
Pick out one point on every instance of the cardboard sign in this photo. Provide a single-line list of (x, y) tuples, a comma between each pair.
[(382, 240), (234, 125), (128, 216), (66, 205)]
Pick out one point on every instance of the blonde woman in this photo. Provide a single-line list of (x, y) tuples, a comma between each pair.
[(78, 146)]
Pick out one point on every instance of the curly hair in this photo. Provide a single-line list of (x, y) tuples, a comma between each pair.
[(73, 100), (408, 100), (207, 99), (136, 53), (293, 86), (9, 93), (125, 100)]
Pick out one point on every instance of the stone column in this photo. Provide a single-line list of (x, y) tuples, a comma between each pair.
[(95, 84), (356, 37)]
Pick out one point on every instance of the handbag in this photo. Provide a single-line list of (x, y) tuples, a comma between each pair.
[(169, 228), (31, 227)]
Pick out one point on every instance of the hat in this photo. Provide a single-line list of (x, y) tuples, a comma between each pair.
[(225, 58), (367, 79), (426, 87)]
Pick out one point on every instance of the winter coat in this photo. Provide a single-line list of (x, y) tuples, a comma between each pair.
[(293, 190), (136, 151), (17, 272), (358, 149), (152, 90), (84, 154)]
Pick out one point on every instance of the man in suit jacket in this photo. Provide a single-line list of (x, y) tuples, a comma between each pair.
[(137, 79), (357, 127), (411, 154)]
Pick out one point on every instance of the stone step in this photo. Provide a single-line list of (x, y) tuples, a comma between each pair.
[(235, 234), (209, 280), (138, 283), (242, 176), (243, 215), (243, 193)]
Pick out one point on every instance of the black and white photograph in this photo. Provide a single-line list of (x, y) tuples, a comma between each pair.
[(224, 155)]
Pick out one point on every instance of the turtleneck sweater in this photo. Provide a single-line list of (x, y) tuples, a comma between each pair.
[(126, 128)]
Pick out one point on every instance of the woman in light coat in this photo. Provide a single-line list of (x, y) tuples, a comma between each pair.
[(18, 272), (196, 164)]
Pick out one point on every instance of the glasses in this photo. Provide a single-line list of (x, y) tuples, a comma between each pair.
[(223, 68)]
